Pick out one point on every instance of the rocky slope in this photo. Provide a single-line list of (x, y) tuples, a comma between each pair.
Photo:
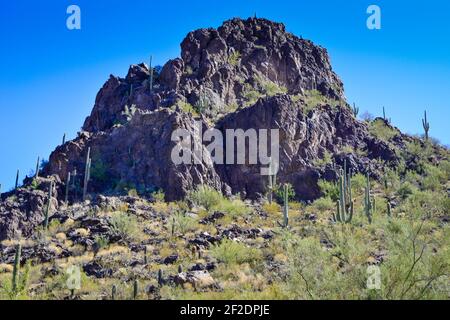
[(245, 74)]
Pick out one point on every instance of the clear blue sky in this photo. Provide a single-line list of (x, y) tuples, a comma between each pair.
[(49, 76)]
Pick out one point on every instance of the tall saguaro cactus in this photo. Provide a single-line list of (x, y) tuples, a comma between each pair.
[(272, 180), (66, 198), (369, 203), (47, 209), (151, 75), (16, 269), (87, 173), (285, 206), (17, 179), (426, 125), (344, 206), (36, 173), (355, 110)]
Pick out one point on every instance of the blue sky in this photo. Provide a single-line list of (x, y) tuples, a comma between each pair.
[(49, 76)]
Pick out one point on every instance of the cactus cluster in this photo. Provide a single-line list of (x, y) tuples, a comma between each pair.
[(344, 206), (87, 173), (426, 125)]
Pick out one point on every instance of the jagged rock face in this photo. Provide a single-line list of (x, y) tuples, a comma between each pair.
[(136, 155), (250, 52), (305, 137), (24, 209), (221, 68)]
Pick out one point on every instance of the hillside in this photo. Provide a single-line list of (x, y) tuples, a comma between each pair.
[(349, 194)]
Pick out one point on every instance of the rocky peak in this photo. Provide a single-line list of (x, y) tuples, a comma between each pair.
[(221, 70)]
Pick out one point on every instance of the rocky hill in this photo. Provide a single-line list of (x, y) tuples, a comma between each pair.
[(247, 74)]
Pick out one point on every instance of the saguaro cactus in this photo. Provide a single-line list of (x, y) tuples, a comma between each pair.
[(16, 269), (369, 204), (426, 125), (36, 173), (389, 209), (151, 75), (160, 278), (87, 173), (272, 181), (113, 292), (64, 139), (285, 207), (47, 210), (17, 179), (344, 206), (66, 198), (355, 110), (135, 289)]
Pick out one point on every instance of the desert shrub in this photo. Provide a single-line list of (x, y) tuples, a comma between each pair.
[(314, 98), (235, 207), (101, 241), (133, 193), (182, 223), (205, 196), (426, 204), (250, 95), (324, 204), (158, 196), (124, 225), (329, 189), (380, 130), (358, 183), (234, 58), (99, 172), (326, 159), (413, 268), (406, 189), (347, 149), (435, 177), (313, 272), (271, 208), (232, 252), (271, 89)]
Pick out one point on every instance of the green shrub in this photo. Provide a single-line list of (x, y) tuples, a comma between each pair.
[(380, 130), (158, 196), (234, 58), (324, 204), (406, 189), (232, 252), (329, 189), (326, 159), (205, 196), (182, 223), (124, 225), (233, 207)]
